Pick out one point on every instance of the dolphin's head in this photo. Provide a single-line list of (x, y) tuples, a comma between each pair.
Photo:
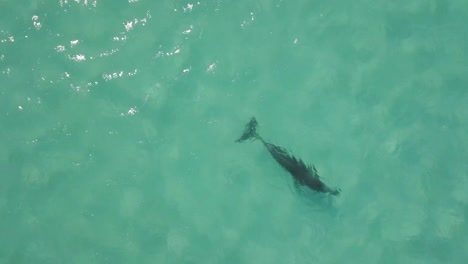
[(335, 192)]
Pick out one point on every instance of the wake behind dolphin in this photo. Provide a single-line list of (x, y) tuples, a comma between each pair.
[(302, 174)]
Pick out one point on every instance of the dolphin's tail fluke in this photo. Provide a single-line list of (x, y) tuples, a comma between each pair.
[(250, 131)]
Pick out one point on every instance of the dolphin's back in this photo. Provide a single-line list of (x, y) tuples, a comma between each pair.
[(295, 166)]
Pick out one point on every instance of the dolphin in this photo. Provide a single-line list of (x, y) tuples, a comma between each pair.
[(303, 174)]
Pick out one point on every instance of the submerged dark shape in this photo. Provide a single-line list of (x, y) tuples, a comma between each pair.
[(302, 174)]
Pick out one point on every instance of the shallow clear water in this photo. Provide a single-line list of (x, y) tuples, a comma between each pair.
[(118, 121)]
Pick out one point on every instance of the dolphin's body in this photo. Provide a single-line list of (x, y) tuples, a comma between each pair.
[(302, 174)]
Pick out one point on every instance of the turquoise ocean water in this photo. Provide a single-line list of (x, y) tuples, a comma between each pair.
[(118, 121)]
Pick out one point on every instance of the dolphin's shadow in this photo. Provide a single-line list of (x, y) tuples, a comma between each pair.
[(316, 201)]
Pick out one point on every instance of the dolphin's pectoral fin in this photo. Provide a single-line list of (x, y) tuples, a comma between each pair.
[(297, 186), (315, 169)]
